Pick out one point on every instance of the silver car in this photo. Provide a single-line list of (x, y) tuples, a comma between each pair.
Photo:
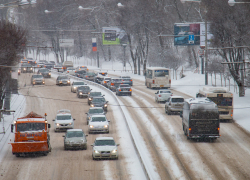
[(105, 148), (75, 139), (37, 79), (174, 104), (94, 111), (63, 80), (63, 120), (75, 84), (98, 123)]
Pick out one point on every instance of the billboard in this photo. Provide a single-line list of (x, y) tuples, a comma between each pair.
[(113, 36), (202, 34), (184, 31)]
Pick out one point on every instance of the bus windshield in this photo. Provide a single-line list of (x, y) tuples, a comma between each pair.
[(161, 73), (222, 101)]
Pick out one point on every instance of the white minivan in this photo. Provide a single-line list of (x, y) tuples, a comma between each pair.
[(63, 120)]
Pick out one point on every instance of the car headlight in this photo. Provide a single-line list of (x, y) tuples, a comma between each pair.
[(89, 118), (34, 80), (74, 87), (31, 68), (68, 81), (96, 151), (90, 99), (92, 105), (24, 68), (80, 93), (106, 126), (114, 151), (60, 81), (91, 126), (49, 73), (57, 124), (105, 105), (70, 123)]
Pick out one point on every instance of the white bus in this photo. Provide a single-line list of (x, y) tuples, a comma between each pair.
[(222, 97), (158, 77)]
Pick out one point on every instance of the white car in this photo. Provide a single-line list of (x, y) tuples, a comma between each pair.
[(105, 148), (63, 120), (76, 84), (162, 95), (70, 71), (98, 123)]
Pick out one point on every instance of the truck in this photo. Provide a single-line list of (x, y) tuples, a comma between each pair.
[(31, 135), (200, 119), (67, 64)]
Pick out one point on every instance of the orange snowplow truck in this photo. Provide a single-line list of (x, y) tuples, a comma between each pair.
[(31, 135)]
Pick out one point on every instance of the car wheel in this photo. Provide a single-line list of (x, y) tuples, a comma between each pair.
[(93, 157), (85, 148), (116, 158), (65, 148), (130, 94), (166, 110), (169, 112)]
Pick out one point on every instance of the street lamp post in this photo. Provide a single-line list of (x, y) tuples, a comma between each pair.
[(232, 2), (124, 56)]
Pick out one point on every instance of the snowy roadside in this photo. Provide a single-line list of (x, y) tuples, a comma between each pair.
[(18, 104)]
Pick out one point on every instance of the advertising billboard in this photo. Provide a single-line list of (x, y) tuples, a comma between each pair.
[(113, 36), (186, 34), (202, 34)]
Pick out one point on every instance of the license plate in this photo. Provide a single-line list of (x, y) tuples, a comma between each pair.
[(161, 85)]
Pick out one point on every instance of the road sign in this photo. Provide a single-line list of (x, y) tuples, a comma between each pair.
[(66, 42), (191, 39)]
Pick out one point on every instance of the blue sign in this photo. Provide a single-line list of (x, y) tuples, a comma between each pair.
[(191, 37)]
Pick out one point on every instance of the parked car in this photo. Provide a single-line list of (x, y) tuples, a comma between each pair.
[(70, 71), (114, 83), (63, 120), (75, 84), (105, 81), (75, 139), (127, 80), (105, 148), (94, 111), (174, 104), (93, 94), (26, 68), (37, 79), (80, 73), (90, 76), (98, 123), (124, 89), (44, 72), (83, 91), (162, 95), (63, 80), (99, 102)]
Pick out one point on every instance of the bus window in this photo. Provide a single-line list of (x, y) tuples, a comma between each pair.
[(161, 73), (149, 74)]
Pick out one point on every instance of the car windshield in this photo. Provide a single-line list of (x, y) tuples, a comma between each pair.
[(30, 127), (78, 83), (177, 100), (83, 88), (37, 76), (95, 111), (98, 100), (26, 65), (81, 72), (125, 77), (164, 92), (62, 77), (104, 143), (125, 86), (44, 70), (95, 94), (63, 117), (91, 74), (70, 69), (107, 79), (71, 134), (116, 80), (98, 119)]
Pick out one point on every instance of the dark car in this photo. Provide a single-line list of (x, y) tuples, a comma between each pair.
[(26, 68), (80, 73), (99, 102), (31, 61), (83, 91), (114, 83), (62, 80), (45, 72), (94, 111), (124, 89), (93, 94), (127, 80), (90, 76), (48, 65)]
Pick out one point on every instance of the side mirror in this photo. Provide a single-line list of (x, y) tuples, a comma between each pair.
[(86, 113), (92, 145), (53, 120), (74, 119), (117, 144), (86, 135), (48, 125), (12, 127), (108, 120), (106, 101), (103, 95), (63, 136), (181, 114)]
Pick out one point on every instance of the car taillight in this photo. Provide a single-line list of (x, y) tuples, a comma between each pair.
[(169, 81), (67, 71), (105, 82), (112, 84), (86, 76), (159, 95), (153, 81), (130, 90), (131, 80), (120, 90)]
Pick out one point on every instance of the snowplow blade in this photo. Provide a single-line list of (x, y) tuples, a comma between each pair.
[(29, 147)]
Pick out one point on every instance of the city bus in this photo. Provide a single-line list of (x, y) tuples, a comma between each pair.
[(157, 77), (222, 97)]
